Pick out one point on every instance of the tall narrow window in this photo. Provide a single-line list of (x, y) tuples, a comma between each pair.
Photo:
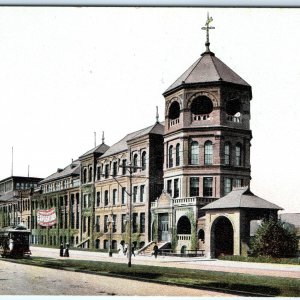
[(135, 191), (105, 198), (124, 162), (142, 222), (238, 155), (227, 185), (97, 225), (98, 199), (142, 193), (169, 187), (98, 172), (123, 195), (176, 188), (207, 186), (84, 175), (90, 174), (114, 223), (115, 169), (194, 186), (194, 154), (144, 161), (106, 171), (134, 222), (177, 154), (208, 153), (106, 223), (171, 156), (135, 163), (227, 157), (115, 191), (123, 225)]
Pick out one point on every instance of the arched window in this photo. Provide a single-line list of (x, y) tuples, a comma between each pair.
[(201, 105), (194, 153), (171, 156), (144, 161), (208, 153), (90, 174), (174, 110), (177, 154), (135, 162), (201, 235), (84, 175), (227, 157), (238, 155)]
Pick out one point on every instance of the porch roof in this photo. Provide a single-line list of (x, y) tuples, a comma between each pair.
[(241, 197)]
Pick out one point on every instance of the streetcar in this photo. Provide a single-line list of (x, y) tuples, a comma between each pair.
[(14, 241)]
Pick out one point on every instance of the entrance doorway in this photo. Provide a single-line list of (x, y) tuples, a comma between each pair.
[(222, 237), (163, 227)]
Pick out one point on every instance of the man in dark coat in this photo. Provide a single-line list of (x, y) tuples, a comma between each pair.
[(155, 250), (61, 250)]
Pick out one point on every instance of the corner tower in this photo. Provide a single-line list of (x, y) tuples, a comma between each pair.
[(207, 130)]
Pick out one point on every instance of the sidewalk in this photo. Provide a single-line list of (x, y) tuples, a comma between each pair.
[(201, 263)]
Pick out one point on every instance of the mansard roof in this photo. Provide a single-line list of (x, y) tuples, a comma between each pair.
[(157, 128), (208, 68), (241, 198), (100, 149), (71, 170)]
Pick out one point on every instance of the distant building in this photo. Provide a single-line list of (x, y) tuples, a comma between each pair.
[(15, 203)]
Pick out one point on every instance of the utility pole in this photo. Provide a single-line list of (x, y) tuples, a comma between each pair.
[(130, 168)]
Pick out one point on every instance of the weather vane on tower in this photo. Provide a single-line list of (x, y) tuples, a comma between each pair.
[(207, 28)]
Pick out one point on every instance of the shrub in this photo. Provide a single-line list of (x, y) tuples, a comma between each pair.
[(273, 238)]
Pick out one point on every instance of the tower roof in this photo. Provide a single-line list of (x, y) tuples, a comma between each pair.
[(208, 68)]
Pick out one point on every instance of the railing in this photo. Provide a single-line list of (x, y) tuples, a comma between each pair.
[(186, 253), (192, 201), (234, 119), (188, 201), (174, 122), (184, 237), (201, 117)]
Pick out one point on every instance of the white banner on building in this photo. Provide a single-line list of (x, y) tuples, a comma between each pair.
[(46, 217)]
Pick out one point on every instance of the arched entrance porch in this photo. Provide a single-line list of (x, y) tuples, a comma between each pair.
[(222, 237)]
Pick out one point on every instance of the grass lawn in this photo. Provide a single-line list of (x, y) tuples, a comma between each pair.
[(258, 285)]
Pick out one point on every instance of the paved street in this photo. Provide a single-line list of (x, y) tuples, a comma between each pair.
[(278, 270), (18, 279)]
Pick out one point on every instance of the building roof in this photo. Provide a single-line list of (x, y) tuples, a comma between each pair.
[(100, 149), (157, 128), (207, 68), (241, 198), (72, 169), (291, 218), (11, 195)]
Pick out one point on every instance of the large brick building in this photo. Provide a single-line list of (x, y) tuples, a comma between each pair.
[(198, 155)]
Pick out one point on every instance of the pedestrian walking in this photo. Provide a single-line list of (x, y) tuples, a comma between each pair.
[(155, 250), (132, 250), (67, 251), (61, 250), (125, 249)]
